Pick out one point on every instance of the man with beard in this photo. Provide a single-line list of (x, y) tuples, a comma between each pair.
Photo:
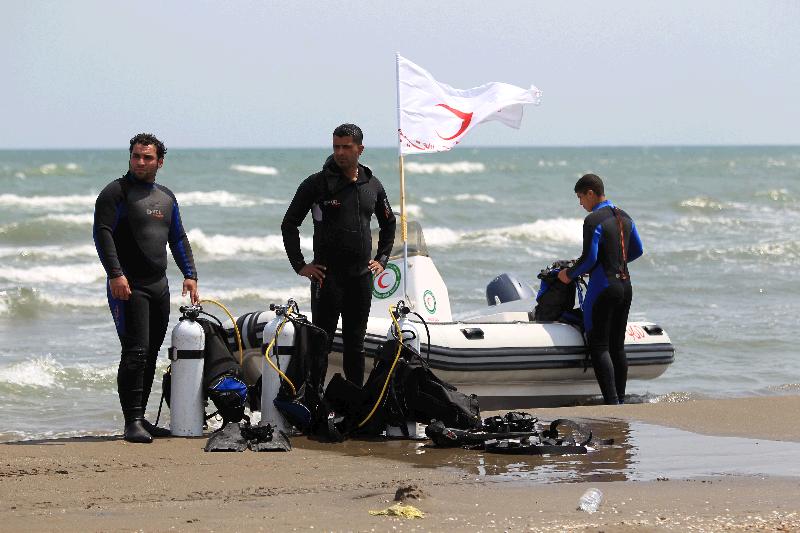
[(134, 220)]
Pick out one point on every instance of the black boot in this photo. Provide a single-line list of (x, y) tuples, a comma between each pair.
[(130, 379), (135, 431), (155, 431)]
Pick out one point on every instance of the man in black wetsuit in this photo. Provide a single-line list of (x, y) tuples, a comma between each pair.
[(134, 219), (610, 242), (342, 197)]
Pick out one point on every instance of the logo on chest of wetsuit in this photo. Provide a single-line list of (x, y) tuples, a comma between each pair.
[(332, 203), (155, 213)]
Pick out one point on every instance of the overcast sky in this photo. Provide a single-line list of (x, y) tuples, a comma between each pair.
[(89, 74)]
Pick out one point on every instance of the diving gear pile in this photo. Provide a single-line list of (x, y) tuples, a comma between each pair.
[(519, 434)]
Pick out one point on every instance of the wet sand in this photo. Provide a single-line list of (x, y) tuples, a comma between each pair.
[(104, 483)]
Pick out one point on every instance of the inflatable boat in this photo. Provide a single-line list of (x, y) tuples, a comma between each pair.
[(498, 352)]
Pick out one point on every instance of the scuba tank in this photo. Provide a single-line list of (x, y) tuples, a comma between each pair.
[(409, 331), (410, 336), (280, 350), (187, 410)]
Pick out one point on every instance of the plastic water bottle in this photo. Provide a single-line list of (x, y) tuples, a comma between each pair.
[(590, 500)]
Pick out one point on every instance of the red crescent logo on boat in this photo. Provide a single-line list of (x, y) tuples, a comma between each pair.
[(379, 281), (637, 332), (387, 282), (466, 118)]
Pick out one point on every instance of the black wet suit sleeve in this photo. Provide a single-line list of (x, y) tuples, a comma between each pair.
[(387, 224), (179, 244), (290, 227), (106, 216), (588, 258), (636, 248)]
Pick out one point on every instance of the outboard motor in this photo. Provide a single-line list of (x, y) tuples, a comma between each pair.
[(506, 288), (187, 410), (281, 352)]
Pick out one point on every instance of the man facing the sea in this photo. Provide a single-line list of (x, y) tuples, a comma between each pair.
[(610, 242), (134, 220), (342, 197)]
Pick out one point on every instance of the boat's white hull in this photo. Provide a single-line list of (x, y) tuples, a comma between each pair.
[(506, 362), (519, 362)]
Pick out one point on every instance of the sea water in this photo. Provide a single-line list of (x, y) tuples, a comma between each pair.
[(720, 227)]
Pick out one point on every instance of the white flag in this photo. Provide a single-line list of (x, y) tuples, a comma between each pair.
[(434, 117)]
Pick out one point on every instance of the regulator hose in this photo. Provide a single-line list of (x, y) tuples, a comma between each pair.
[(391, 370)]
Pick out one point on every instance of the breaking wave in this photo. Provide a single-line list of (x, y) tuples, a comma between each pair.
[(777, 195), (460, 198), (256, 169), (75, 274), (57, 203), (702, 202), (45, 372), (228, 245), (457, 167), (223, 199), (82, 219), (549, 164), (49, 252), (442, 237), (46, 229), (47, 169), (414, 210), (299, 293), (705, 202), (41, 372), (29, 301), (565, 230)]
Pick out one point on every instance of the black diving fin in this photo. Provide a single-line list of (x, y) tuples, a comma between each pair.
[(228, 438)]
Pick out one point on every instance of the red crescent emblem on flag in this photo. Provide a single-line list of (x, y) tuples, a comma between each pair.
[(379, 281), (466, 118)]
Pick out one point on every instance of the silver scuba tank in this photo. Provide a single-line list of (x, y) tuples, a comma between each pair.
[(187, 411), (410, 336), (280, 353), (408, 329)]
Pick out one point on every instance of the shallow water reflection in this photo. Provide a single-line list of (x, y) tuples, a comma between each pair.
[(640, 452)]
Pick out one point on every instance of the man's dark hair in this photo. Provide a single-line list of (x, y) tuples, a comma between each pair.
[(590, 182), (350, 130), (148, 139)]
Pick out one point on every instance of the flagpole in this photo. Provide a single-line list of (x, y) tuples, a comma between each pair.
[(404, 229), (403, 225)]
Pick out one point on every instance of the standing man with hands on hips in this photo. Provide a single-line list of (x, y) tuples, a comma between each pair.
[(134, 220), (342, 198)]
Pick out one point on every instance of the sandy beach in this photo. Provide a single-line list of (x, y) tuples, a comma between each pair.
[(106, 484)]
